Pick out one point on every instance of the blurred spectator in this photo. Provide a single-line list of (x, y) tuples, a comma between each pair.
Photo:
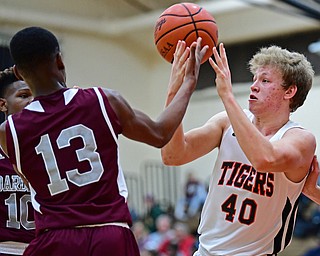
[(152, 213), (181, 244), (163, 232), (313, 252), (141, 234), (192, 201), (308, 219)]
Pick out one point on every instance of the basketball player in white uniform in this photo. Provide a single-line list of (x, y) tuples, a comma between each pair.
[(263, 157)]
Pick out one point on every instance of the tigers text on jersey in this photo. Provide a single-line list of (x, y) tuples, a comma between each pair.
[(16, 212), (66, 145), (247, 212)]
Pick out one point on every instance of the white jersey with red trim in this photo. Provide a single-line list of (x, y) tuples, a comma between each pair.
[(247, 212)]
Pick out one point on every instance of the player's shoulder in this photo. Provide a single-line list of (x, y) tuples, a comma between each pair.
[(3, 126), (300, 133), (3, 133), (221, 119)]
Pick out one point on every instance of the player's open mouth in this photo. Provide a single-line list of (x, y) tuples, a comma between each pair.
[(252, 97)]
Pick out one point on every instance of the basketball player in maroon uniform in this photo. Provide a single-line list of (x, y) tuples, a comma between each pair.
[(16, 212), (311, 188), (65, 144)]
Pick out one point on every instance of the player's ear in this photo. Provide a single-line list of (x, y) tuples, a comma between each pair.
[(59, 61), (17, 73), (291, 91), (3, 105)]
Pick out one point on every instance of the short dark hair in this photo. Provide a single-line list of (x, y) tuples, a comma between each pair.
[(32, 46), (7, 77)]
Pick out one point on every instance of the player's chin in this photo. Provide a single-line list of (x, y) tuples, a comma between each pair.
[(252, 107)]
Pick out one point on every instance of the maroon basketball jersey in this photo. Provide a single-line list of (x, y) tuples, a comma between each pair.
[(16, 212), (66, 145)]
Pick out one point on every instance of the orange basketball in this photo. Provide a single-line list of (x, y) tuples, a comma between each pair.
[(184, 21)]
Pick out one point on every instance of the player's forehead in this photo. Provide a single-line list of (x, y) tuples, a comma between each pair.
[(269, 71), (16, 87), (20, 85)]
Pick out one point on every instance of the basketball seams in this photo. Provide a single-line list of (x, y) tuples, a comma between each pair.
[(184, 21), (192, 18), (212, 38), (188, 10), (186, 24), (173, 29), (175, 15)]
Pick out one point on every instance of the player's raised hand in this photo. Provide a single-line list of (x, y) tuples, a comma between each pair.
[(193, 64), (178, 67), (221, 67)]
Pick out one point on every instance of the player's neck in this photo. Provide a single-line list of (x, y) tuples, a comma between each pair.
[(269, 126), (46, 90)]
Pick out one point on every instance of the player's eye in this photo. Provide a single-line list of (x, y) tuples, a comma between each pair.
[(24, 96)]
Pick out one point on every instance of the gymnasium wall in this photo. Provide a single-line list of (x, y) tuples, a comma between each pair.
[(142, 79)]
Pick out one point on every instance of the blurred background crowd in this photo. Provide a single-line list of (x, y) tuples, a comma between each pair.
[(170, 230)]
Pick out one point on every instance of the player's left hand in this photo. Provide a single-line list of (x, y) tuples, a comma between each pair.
[(178, 67), (221, 68), (193, 64), (312, 179)]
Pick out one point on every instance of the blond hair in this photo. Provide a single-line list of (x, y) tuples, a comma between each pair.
[(294, 67)]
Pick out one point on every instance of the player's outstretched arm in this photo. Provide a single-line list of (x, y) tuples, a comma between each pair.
[(311, 188), (140, 127), (178, 70), (186, 147)]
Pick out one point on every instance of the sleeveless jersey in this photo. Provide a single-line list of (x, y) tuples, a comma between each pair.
[(247, 212), (65, 144), (16, 212)]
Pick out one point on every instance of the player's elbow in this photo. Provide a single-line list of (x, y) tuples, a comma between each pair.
[(169, 158), (166, 159), (162, 137), (169, 161), (160, 141), (263, 163)]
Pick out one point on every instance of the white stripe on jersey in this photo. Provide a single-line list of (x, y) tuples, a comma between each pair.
[(35, 106), (68, 95), (104, 112), (123, 190), (35, 204), (14, 248), (15, 143)]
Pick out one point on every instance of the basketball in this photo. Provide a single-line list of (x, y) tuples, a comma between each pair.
[(187, 22)]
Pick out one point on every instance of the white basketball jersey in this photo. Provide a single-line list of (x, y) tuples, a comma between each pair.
[(247, 212)]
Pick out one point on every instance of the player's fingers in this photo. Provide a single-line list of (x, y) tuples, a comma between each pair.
[(200, 48), (316, 164), (181, 45), (185, 54), (223, 56), (192, 51), (213, 62), (204, 51), (199, 42), (216, 56), (191, 61)]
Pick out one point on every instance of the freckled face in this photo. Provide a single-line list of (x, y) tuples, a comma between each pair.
[(267, 94)]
